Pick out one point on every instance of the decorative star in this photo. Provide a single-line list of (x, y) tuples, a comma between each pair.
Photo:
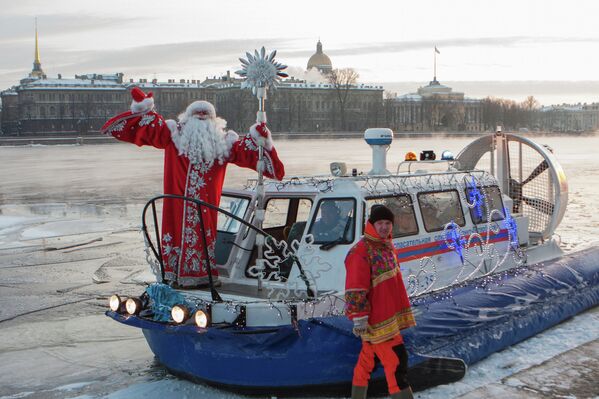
[(261, 70)]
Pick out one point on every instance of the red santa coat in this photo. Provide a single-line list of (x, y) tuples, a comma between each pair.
[(183, 251), (374, 288)]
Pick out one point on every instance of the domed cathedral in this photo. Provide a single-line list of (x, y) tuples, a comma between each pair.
[(320, 60)]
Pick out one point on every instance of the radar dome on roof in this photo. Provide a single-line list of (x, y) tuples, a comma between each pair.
[(379, 140), (378, 136)]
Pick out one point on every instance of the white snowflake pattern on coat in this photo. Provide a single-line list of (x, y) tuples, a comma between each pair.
[(146, 119), (118, 127)]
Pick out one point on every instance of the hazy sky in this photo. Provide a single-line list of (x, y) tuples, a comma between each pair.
[(385, 41)]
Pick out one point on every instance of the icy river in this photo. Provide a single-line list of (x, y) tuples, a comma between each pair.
[(69, 237)]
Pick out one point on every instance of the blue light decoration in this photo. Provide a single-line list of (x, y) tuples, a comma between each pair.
[(512, 227), (476, 198), (454, 239)]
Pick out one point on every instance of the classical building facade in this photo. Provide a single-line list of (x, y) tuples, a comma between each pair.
[(299, 106), (80, 105), (433, 108), (569, 118)]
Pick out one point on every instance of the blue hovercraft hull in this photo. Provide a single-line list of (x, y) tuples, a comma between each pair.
[(469, 322)]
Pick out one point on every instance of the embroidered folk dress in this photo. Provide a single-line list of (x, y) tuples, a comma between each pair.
[(183, 252), (374, 288)]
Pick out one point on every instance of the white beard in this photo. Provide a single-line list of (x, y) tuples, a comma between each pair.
[(202, 141)]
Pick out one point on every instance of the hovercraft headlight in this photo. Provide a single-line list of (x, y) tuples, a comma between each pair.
[(338, 169), (133, 306), (180, 314), (202, 319), (428, 155), (115, 303)]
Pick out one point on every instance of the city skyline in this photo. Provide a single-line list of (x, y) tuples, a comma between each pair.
[(534, 47)]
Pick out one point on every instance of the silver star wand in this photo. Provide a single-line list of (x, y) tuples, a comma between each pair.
[(261, 72)]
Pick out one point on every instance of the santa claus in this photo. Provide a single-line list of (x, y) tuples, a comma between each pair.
[(197, 151)]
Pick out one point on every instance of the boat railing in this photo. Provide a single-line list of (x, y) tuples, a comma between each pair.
[(326, 180), (157, 249)]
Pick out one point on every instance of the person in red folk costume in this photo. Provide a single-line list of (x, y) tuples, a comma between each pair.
[(197, 151), (378, 304)]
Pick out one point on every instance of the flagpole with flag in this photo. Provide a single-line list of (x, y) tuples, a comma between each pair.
[(435, 68)]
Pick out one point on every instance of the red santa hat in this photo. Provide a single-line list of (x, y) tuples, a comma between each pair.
[(142, 102)]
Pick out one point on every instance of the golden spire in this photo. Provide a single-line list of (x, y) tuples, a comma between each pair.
[(37, 49), (37, 71)]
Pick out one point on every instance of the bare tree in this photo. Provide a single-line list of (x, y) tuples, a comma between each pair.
[(531, 103), (493, 113), (531, 107), (342, 81), (508, 113)]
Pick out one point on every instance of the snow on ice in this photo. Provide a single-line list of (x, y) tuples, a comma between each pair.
[(64, 248)]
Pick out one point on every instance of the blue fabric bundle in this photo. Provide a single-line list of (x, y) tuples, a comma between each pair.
[(162, 300)]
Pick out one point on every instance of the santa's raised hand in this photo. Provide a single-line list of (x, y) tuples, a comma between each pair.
[(262, 135), (141, 102)]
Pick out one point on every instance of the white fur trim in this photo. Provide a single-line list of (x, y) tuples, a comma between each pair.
[(231, 137), (172, 126), (143, 106), (201, 106), (268, 143)]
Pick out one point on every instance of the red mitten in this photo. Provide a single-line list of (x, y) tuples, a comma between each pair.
[(260, 133)]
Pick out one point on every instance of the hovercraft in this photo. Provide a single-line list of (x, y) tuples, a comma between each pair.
[(474, 236)]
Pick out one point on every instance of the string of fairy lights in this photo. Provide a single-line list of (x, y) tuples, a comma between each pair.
[(465, 245), (378, 185)]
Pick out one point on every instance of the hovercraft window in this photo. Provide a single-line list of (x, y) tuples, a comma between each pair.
[(405, 218), (276, 213), (440, 208), (334, 221), (235, 205), (282, 214), (491, 202), (227, 227)]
